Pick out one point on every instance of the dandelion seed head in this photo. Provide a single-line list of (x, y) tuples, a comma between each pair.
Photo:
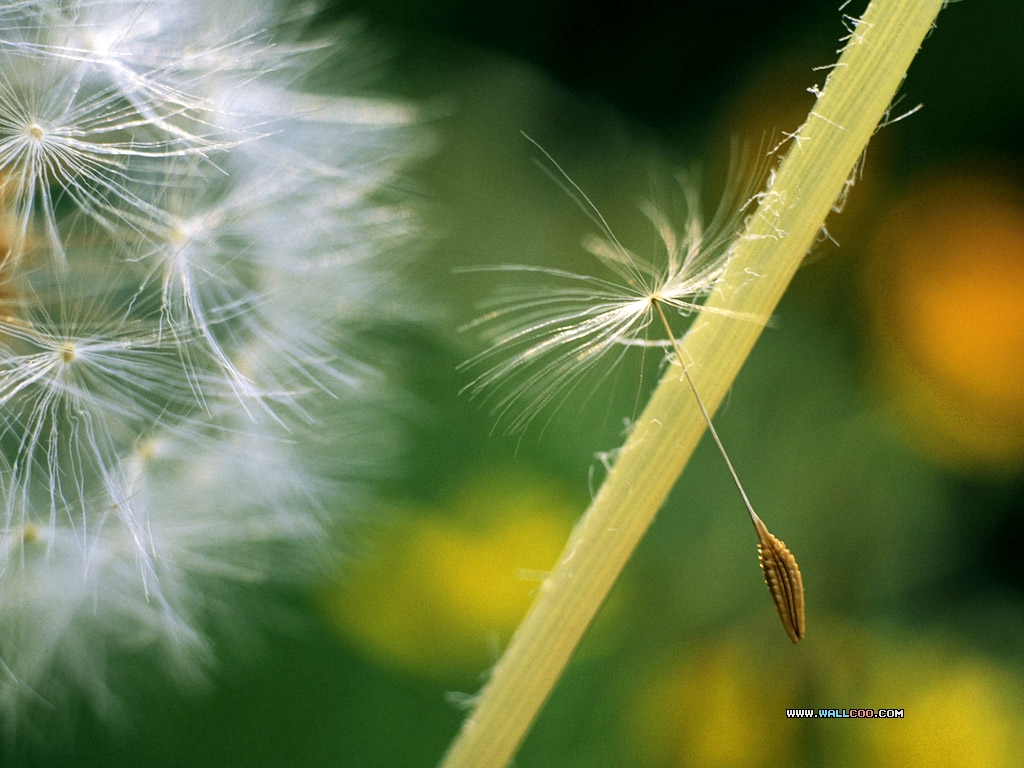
[(190, 231)]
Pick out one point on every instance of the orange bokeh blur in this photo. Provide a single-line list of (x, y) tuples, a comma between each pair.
[(946, 290)]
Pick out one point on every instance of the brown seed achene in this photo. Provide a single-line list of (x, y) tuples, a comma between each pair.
[(782, 575)]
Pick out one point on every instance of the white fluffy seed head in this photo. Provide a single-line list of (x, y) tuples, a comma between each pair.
[(188, 230)]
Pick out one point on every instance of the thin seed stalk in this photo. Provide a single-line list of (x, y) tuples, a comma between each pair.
[(781, 572), (820, 160)]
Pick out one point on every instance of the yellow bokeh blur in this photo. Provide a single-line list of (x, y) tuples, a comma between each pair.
[(719, 708), (722, 704), (960, 712), (443, 589)]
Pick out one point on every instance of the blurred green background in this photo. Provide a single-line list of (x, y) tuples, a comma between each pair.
[(878, 426)]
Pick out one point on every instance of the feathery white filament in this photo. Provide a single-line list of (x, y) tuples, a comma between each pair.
[(544, 340)]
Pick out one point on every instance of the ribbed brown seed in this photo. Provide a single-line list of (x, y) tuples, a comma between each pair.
[(782, 575)]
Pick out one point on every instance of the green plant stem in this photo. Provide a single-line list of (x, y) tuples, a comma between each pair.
[(819, 162)]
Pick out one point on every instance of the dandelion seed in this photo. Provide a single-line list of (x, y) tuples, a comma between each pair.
[(65, 134), (553, 338)]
